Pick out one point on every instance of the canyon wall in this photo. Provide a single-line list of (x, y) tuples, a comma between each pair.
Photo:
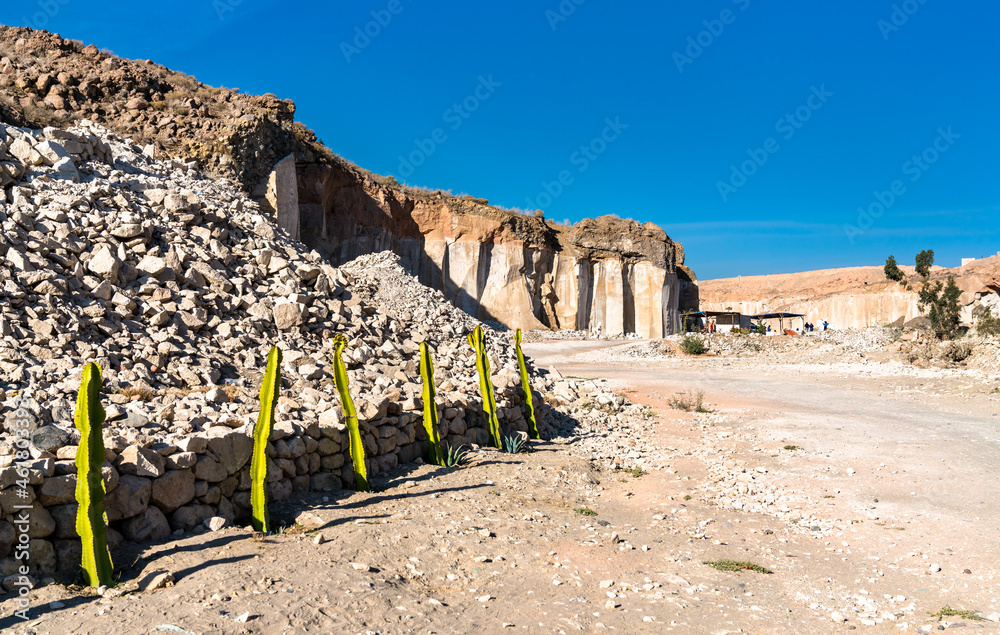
[(855, 297), (607, 273)]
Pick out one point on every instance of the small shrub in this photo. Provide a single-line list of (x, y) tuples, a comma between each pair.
[(585, 511), (735, 565), (689, 402), (791, 448), (136, 393), (687, 497), (986, 323), (947, 611), (693, 345)]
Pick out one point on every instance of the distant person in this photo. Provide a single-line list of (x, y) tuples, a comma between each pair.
[(826, 325)]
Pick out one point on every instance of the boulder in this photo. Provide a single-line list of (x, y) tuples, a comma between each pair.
[(173, 489), (149, 526), (57, 490), (139, 461), (50, 438), (231, 448), (188, 517), (208, 469), (288, 315), (105, 263), (128, 499)]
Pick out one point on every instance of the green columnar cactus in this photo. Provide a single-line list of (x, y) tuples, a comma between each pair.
[(529, 404), (478, 341), (354, 432), (269, 390), (430, 407), (91, 521)]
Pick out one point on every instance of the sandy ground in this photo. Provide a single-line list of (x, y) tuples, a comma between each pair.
[(884, 513)]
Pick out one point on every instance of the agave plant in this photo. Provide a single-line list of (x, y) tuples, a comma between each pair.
[(514, 444), (91, 521), (455, 456)]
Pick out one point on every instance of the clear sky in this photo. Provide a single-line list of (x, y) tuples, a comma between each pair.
[(751, 131)]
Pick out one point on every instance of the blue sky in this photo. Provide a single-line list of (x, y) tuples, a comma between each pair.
[(755, 142)]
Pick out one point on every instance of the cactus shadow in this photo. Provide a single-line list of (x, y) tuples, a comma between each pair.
[(135, 553), (183, 573), (386, 496), (7, 624), (140, 557)]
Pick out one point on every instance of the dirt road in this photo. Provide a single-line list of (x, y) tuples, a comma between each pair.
[(933, 457)]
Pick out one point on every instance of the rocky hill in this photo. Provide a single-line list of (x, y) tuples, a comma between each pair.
[(616, 275), (854, 297)]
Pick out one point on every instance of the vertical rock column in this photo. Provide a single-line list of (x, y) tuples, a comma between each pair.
[(649, 292), (279, 195)]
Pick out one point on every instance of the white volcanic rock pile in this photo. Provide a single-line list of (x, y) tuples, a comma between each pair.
[(177, 286)]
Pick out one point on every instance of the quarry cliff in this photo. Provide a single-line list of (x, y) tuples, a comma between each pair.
[(611, 274), (853, 297)]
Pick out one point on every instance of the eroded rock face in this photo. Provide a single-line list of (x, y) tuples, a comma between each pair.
[(604, 274)]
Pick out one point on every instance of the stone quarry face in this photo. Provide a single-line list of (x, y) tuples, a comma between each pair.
[(608, 274)]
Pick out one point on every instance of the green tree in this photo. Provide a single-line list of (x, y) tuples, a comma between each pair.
[(925, 259), (940, 302), (892, 271)]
